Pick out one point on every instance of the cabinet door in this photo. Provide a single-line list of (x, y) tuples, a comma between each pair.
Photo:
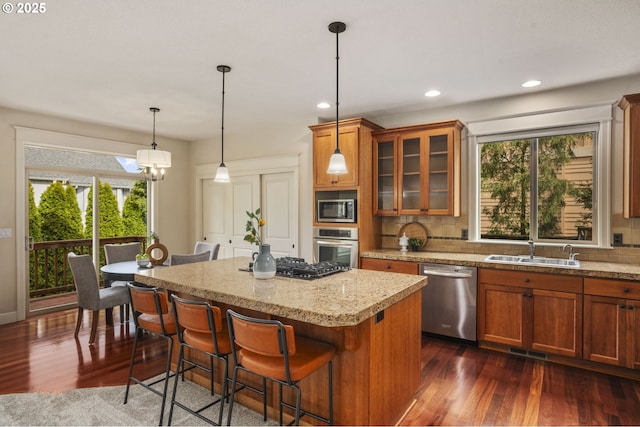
[(412, 168), (439, 191), (502, 314), (557, 322), (633, 334), (385, 176), (604, 329), (324, 144)]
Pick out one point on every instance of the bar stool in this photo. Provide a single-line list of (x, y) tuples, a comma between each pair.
[(151, 314), (271, 350), (201, 328)]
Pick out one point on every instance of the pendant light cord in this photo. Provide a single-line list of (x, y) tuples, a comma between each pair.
[(222, 160), (153, 137), (337, 92)]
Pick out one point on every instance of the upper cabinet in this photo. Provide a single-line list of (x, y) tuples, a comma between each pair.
[(355, 140), (416, 170), (630, 104)]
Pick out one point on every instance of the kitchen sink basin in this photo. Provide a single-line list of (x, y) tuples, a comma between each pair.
[(526, 260), (504, 258)]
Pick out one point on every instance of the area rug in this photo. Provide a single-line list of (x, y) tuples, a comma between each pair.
[(103, 406)]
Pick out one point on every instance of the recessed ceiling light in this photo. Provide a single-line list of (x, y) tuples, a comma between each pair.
[(531, 83), (432, 93), (324, 105)]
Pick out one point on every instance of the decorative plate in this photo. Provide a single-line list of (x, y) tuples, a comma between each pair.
[(415, 230)]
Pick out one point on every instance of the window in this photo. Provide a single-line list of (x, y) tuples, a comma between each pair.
[(541, 183)]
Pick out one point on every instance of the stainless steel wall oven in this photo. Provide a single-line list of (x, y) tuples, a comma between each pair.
[(336, 244)]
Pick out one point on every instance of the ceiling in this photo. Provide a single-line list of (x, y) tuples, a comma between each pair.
[(108, 62)]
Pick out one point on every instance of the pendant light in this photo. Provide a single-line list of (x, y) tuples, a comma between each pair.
[(154, 161), (337, 163), (222, 174)]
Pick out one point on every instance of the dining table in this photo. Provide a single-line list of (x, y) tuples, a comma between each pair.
[(120, 272)]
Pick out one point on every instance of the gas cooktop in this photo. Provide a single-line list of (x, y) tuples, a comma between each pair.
[(299, 269)]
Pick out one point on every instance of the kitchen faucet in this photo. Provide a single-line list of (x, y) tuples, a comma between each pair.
[(572, 256), (532, 249)]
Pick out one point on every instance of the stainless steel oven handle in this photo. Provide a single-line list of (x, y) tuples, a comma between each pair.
[(336, 243)]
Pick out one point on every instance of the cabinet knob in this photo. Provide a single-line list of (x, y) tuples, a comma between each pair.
[(524, 294), (527, 280), (530, 295), (626, 290), (630, 307), (388, 267), (622, 306)]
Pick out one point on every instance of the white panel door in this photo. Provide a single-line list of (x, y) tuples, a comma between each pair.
[(217, 215), (279, 208), (245, 197)]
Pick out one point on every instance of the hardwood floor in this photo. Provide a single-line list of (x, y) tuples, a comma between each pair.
[(460, 384)]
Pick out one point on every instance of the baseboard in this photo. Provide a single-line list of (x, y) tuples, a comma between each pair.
[(10, 317)]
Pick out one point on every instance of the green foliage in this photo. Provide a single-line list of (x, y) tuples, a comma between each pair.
[(73, 207), (35, 222), (583, 192), (505, 175), (57, 215), (134, 211), (109, 219), (254, 223)]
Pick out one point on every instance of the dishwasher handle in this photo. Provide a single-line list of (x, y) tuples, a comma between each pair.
[(452, 274)]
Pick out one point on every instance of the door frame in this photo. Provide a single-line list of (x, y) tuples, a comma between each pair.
[(237, 168)]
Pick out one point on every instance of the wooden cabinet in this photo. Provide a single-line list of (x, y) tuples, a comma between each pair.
[(630, 104), (417, 170), (533, 311), (612, 322), (389, 265), (355, 145)]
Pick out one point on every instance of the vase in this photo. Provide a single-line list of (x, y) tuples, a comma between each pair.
[(264, 264)]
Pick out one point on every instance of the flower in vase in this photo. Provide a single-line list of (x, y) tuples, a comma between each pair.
[(254, 224)]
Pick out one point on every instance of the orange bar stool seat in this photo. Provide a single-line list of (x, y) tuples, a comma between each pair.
[(151, 314), (270, 349), (201, 328)]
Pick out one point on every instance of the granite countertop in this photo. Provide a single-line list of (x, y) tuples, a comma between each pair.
[(342, 299), (605, 270)]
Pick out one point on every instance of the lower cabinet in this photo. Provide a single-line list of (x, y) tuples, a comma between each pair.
[(389, 265), (532, 311), (612, 322)]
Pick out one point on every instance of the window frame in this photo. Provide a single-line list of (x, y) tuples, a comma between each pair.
[(483, 131)]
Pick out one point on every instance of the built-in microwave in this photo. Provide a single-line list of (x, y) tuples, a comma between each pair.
[(336, 210)]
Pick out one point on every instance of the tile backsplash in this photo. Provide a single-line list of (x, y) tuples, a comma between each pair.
[(445, 235)]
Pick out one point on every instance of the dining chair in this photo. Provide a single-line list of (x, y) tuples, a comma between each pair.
[(178, 259), (90, 296), (151, 313), (202, 329), (120, 253), (214, 248), (270, 349)]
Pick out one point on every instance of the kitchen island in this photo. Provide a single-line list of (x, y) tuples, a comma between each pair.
[(372, 318)]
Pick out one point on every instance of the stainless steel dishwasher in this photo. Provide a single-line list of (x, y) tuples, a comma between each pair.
[(449, 300)]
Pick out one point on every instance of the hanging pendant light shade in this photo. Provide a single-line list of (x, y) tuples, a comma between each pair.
[(153, 161), (222, 174), (337, 163)]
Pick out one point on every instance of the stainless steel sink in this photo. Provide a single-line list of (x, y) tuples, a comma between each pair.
[(542, 261), (504, 258), (555, 262)]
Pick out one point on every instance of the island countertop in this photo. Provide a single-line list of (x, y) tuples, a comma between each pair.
[(341, 299)]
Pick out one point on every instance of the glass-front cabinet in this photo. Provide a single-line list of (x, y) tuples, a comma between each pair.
[(417, 170)]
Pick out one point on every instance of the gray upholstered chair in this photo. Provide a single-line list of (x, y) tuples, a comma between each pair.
[(204, 246), (120, 253), (90, 296), (190, 258)]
